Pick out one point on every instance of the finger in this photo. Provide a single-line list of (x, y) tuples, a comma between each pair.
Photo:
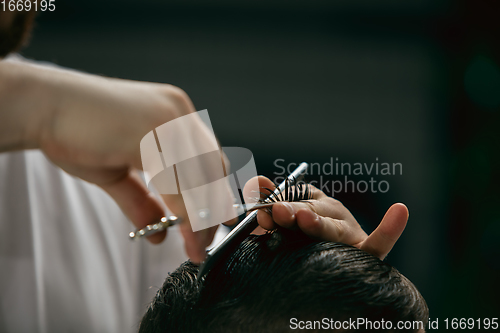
[(258, 231), (265, 220), (137, 202), (226, 165), (327, 228), (231, 222), (196, 243), (382, 239), (260, 183), (317, 226), (284, 213), (316, 193)]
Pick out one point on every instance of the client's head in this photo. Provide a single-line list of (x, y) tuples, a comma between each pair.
[(282, 281)]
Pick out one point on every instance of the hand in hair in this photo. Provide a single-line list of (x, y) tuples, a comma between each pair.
[(326, 218), (270, 279)]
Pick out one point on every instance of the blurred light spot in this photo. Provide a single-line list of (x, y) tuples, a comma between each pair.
[(482, 82)]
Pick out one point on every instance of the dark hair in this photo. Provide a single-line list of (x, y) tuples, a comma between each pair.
[(14, 35), (272, 278)]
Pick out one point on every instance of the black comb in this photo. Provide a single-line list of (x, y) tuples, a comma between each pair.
[(226, 246)]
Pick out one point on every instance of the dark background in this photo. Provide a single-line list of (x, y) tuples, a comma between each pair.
[(411, 82)]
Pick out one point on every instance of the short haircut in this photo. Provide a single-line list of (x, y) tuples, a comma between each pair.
[(272, 278)]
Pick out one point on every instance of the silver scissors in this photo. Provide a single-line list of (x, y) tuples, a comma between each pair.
[(166, 222)]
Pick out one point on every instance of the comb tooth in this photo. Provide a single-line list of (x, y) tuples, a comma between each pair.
[(268, 190), (296, 192), (281, 192), (264, 194), (278, 196), (301, 191), (287, 189), (292, 192), (270, 196), (227, 245)]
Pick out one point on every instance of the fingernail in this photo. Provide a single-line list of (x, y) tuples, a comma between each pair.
[(290, 209)]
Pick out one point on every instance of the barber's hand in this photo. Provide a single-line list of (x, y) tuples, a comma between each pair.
[(92, 126), (327, 219)]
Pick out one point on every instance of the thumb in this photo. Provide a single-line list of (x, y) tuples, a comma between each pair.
[(137, 202), (195, 243), (382, 239)]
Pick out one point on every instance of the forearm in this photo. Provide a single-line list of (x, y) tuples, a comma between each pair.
[(25, 102)]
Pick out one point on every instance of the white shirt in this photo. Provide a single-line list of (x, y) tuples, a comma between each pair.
[(66, 262)]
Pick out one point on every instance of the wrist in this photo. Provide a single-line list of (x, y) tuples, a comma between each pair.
[(26, 103)]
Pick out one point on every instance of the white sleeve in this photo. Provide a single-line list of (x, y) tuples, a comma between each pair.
[(66, 263)]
